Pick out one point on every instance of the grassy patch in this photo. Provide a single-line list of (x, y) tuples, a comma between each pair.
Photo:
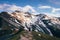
[(43, 36)]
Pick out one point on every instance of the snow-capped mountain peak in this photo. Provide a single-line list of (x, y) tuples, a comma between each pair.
[(31, 22)]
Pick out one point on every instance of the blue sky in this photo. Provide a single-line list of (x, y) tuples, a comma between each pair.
[(51, 7), (31, 2)]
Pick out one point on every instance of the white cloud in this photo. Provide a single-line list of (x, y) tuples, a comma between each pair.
[(28, 8), (51, 14), (44, 7), (14, 7), (2, 6), (55, 9), (56, 2), (8, 7), (50, 7)]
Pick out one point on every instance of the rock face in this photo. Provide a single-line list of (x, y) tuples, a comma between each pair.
[(30, 22)]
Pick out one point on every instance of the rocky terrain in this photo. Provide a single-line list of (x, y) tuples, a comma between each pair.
[(12, 25)]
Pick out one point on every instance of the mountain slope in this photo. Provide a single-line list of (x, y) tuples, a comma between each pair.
[(16, 21), (26, 35)]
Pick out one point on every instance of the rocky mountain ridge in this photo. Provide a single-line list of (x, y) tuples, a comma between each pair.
[(24, 20)]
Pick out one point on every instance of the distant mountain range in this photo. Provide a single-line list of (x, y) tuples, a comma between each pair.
[(11, 23)]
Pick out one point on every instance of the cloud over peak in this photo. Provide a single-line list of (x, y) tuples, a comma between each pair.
[(8, 7), (14, 7), (28, 8)]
